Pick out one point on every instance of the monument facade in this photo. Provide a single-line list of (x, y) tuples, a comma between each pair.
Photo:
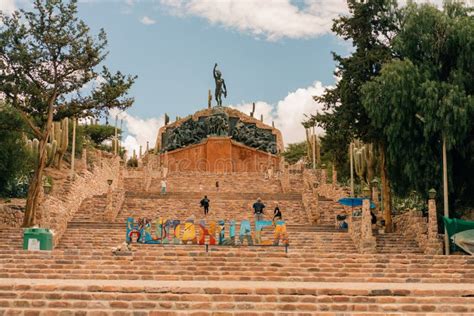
[(219, 139)]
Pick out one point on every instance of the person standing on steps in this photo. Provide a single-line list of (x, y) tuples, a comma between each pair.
[(205, 203), (258, 210), (217, 186), (163, 186), (277, 213)]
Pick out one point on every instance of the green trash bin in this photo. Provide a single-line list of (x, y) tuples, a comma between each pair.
[(37, 239)]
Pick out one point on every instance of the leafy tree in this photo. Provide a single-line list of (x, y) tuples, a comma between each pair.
[(370, 26), (47, 58), (334, 151), (98, 133), (431, 82), (294, 152), (15, 159)]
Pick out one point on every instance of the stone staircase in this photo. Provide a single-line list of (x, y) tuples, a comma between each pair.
[(395, 243), (206, 183), (231, 298), (320, 273)]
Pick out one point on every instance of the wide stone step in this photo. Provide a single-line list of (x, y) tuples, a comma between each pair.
[(233, 298), (187, 195)]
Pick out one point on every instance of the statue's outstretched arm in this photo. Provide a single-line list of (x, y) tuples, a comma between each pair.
[(225, 88), (214, 71)]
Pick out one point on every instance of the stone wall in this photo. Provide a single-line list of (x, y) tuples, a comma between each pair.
[(57, 211), (412, 225), (219, 154), (311, 206), (320, 198), (11, 215)]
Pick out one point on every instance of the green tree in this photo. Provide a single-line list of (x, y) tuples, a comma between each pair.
[(15, 159), (430, 82), (47, 58), (295, 152), (370, 26), (98, 133)]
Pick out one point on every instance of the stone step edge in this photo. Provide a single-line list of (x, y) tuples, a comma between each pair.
[(349, 286)]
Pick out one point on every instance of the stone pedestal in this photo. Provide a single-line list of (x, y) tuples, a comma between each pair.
[(220, 154), (334, 175), (84, 159), (324, 176), (375, 198), (368, 243), (434, 245), (109, 206)]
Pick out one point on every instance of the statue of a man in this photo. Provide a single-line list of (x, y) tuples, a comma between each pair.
[(220, 86)]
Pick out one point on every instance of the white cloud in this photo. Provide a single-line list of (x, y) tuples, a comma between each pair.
[(7, 6), (289, 112), (147, 20), (273, 19), (139, 130)]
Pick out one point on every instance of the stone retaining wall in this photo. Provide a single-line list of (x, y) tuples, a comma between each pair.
[(412, 225), (57, 211), (11, 215)]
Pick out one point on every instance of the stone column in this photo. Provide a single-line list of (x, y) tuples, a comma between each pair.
[(285, 179), (324, 176), (84, 159), (367, 243), (434, 246), (375, 198), (109, 206), (148, 176), (334, 175)]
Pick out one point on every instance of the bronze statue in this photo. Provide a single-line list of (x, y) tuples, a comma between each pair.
[(220, 86)]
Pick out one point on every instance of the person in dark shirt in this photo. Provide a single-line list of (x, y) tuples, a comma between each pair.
[(373, 218), (205, 203), (258, 209), (277, 213)]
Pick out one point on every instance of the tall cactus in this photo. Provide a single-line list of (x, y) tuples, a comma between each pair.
[(61, 136), (364, 161), (55, 147), (312, 141)]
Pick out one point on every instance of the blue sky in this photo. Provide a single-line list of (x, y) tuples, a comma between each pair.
[(276, 53), (174, 57)]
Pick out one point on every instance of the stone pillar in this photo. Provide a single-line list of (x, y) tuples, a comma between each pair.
[(285, 179), (334, 175), (148, 176), (84, 159), (375, 198), (434, 245), (324, 176), (368, 243), (109, 206)]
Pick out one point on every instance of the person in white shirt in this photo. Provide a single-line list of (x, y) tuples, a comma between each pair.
[(163, 186)]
